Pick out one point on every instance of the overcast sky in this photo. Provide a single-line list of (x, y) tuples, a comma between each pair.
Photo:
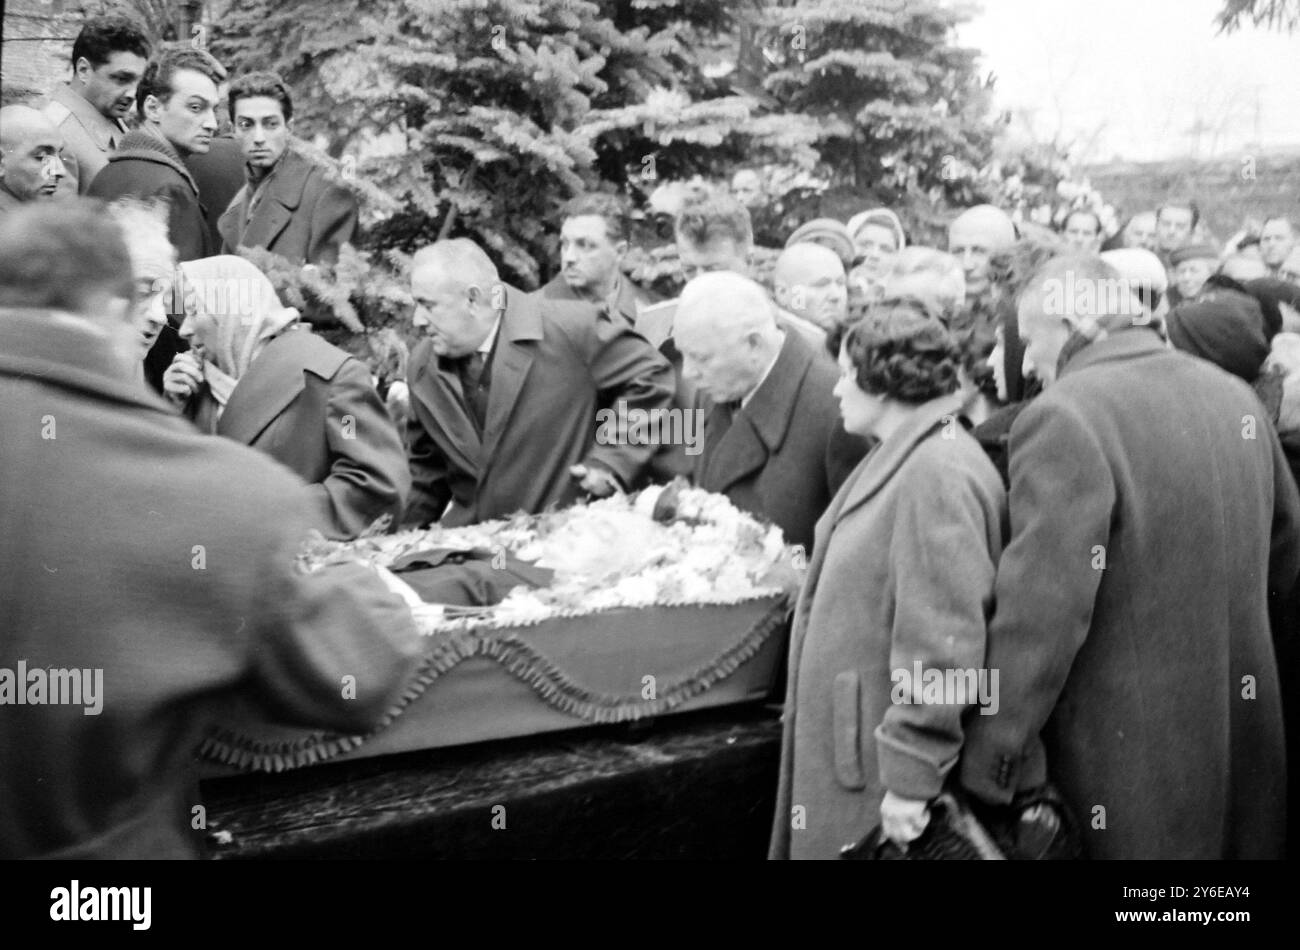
[(1136, 75)]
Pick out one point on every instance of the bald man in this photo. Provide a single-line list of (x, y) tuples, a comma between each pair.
[(974, 237), (1140, 232), (31, 164), (507, 394), (809, 282), (1150, 517), (774, 442)]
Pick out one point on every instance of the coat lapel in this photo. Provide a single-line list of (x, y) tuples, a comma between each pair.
[(881, 463), (277, 206), (438, 388), (759, 429), (521, 325), (272, 383)]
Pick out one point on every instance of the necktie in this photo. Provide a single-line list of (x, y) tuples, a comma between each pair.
[(474, 385), (716, 426)]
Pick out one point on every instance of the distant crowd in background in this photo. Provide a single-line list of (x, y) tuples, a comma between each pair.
[(1066, 457)]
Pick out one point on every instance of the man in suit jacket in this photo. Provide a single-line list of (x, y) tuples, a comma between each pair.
[(773, 440), (176, 101), (288, 204), (152, 566), (505, 393), (1151, 513)]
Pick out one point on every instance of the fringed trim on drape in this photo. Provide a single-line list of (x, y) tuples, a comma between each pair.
[(523, 662)]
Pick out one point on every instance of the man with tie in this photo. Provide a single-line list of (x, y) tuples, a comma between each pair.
[(108, 59), (773, 439), (505, 391)]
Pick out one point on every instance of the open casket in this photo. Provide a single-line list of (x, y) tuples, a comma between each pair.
[(641, 618)]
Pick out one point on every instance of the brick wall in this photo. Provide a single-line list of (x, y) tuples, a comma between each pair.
[(38, 37)]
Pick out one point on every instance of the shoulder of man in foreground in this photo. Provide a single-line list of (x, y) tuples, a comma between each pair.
[(305, 630)]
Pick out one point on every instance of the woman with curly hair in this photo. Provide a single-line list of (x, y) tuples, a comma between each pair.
[(900, 581)]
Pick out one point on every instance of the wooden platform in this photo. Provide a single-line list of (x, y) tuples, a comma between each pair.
[(691, 786)]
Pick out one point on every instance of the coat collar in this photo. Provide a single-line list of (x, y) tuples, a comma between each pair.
[(1126, 344), (69, 352), (143, 146), (274, 380), (436, 384), (759, 429), (886, 458), (101, 129), (282, 193)]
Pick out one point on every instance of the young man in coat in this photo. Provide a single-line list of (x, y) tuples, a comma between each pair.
[(773, 442), (148, 572), (288, 205), (1151, 513), (176, 101), (505, 393)]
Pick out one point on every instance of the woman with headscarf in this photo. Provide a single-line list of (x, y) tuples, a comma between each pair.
[(878, 238), (899, 588), (254, 376)]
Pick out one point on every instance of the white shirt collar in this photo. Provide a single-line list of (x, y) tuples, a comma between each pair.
[(767, 372), (486, 346)]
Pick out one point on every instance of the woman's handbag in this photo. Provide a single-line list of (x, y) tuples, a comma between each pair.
[(1036, 826)]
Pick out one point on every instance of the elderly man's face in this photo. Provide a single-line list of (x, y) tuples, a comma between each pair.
[(726, 366), (1276, 242), (1044, 336), (719, 254), (32, 167), (153, 288), (456, 318), (1174, 227), (820, 294), (1190, 276), (589, 258), (973, 246)]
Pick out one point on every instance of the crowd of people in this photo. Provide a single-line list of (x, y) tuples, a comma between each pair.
[(1066, 459)]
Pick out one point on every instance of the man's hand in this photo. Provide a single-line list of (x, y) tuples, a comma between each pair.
[(594, 480), (182, 379), (902, 820)]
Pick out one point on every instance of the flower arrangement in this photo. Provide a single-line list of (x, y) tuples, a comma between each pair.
[(663, 546)]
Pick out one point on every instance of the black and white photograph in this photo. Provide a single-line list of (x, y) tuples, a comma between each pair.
[(663, 431)]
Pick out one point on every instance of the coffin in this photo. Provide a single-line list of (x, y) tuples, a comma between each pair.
[(602, 613), (616, 666)]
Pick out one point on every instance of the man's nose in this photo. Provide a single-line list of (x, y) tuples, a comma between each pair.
[(210, 120), (568, 256), (419, 318)]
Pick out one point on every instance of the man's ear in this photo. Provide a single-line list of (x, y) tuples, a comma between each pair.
[(82, 68), (621, 249), (152, 108)]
